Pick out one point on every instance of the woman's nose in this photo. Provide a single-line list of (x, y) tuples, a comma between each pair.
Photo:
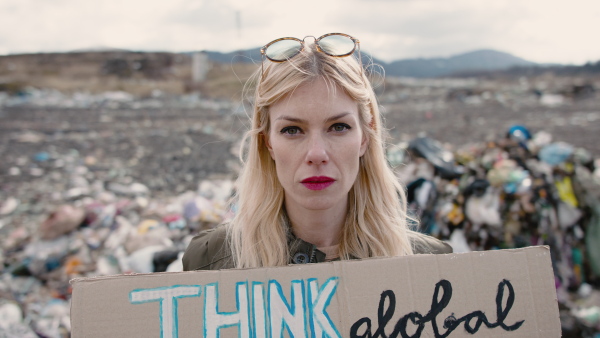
[(317, 151)]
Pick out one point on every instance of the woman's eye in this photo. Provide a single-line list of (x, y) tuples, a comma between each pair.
[(290, 130), (340, 127)]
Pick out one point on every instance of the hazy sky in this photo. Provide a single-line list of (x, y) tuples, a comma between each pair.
[(563, 31)]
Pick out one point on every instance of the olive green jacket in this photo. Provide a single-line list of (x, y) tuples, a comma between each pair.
[(210, 250)]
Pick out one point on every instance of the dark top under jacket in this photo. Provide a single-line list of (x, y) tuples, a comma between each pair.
[(210, 250)]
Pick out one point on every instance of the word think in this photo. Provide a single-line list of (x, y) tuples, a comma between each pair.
[(257, 318)]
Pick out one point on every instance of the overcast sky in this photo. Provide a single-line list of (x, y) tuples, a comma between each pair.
[(561, 31)]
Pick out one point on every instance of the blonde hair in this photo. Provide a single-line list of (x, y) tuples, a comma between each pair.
[(376, 224)]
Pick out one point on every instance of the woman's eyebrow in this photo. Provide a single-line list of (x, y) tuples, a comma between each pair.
[(337, 117), (298, 120), (290, 118)]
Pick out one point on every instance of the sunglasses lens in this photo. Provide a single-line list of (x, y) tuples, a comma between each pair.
[(283, 50), (337, 45)]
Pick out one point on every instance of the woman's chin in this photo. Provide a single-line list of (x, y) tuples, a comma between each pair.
[(318, 203)]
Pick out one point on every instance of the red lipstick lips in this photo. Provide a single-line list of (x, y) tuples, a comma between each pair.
[(317, 182)]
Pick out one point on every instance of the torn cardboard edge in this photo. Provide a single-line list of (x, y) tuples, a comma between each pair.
[(508, 293)]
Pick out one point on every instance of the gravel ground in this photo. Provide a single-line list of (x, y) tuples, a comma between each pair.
[(441, 110), (169, 149)]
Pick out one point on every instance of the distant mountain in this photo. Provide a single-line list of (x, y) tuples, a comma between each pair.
[(99, 49), (536, 70), (243, 56), (480, 60)]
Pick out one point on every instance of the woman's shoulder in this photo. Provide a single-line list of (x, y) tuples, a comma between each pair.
[(424, 244), (209, 250)]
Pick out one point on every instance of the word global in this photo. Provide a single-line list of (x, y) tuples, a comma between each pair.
[(303, 316)]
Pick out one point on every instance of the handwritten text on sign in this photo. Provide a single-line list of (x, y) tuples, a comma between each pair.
[(305, 313)]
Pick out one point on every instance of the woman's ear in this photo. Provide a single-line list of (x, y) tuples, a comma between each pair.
[(268, 144), (364, 144)]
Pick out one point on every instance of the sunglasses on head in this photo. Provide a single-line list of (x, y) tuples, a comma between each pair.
[(332, 44)]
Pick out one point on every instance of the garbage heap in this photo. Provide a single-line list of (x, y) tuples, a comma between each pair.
[(105, 228), (518, 191)]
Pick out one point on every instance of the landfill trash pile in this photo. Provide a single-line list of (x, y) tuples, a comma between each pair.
[(98, 184), (97, 192), (518, 191), (110, 229)]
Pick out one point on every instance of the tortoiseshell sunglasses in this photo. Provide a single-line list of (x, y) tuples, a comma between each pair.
[(332, 44)]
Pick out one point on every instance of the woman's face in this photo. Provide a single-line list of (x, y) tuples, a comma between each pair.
[(316, 141)]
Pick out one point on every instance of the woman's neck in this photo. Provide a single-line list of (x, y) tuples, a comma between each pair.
[(320, 227)]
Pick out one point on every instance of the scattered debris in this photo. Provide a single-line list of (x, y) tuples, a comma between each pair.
[(101, 184), (514, 192)]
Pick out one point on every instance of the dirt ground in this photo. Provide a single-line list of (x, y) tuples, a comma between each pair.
[(577, 124), (170, 148), (490, 109)]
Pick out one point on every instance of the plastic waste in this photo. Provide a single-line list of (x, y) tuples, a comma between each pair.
[(585, 290), (147, 225), (519, 133), (9, 206), (556, 153), (478, 188), (453, 214), (142, 260), (63, 220), (421, 192), (565, 191), (134, 189), (421, 197), (568, 215), (201, 209), (175, 221), (46, 255), (73, 266), (216, 190), (163, 259), (432, 151), (41, 157), (176, 265), (18, 330), (396, 154), (458, 241), (592, 237), (590, 316), (510, 176), (153, 236), (10, 315), (539, 140), (100, 215), (54, 319), (485, 209)]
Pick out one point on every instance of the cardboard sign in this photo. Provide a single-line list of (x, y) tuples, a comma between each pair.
[(504, 293)]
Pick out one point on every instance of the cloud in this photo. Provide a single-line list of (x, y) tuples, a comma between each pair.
[(66, 24), (533, 29), (388, 29), (216, 25), (429, 28)]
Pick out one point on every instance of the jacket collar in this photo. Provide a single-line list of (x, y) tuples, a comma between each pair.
[(301, 252)]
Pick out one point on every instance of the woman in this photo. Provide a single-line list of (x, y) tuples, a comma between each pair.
[(315, 185)]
